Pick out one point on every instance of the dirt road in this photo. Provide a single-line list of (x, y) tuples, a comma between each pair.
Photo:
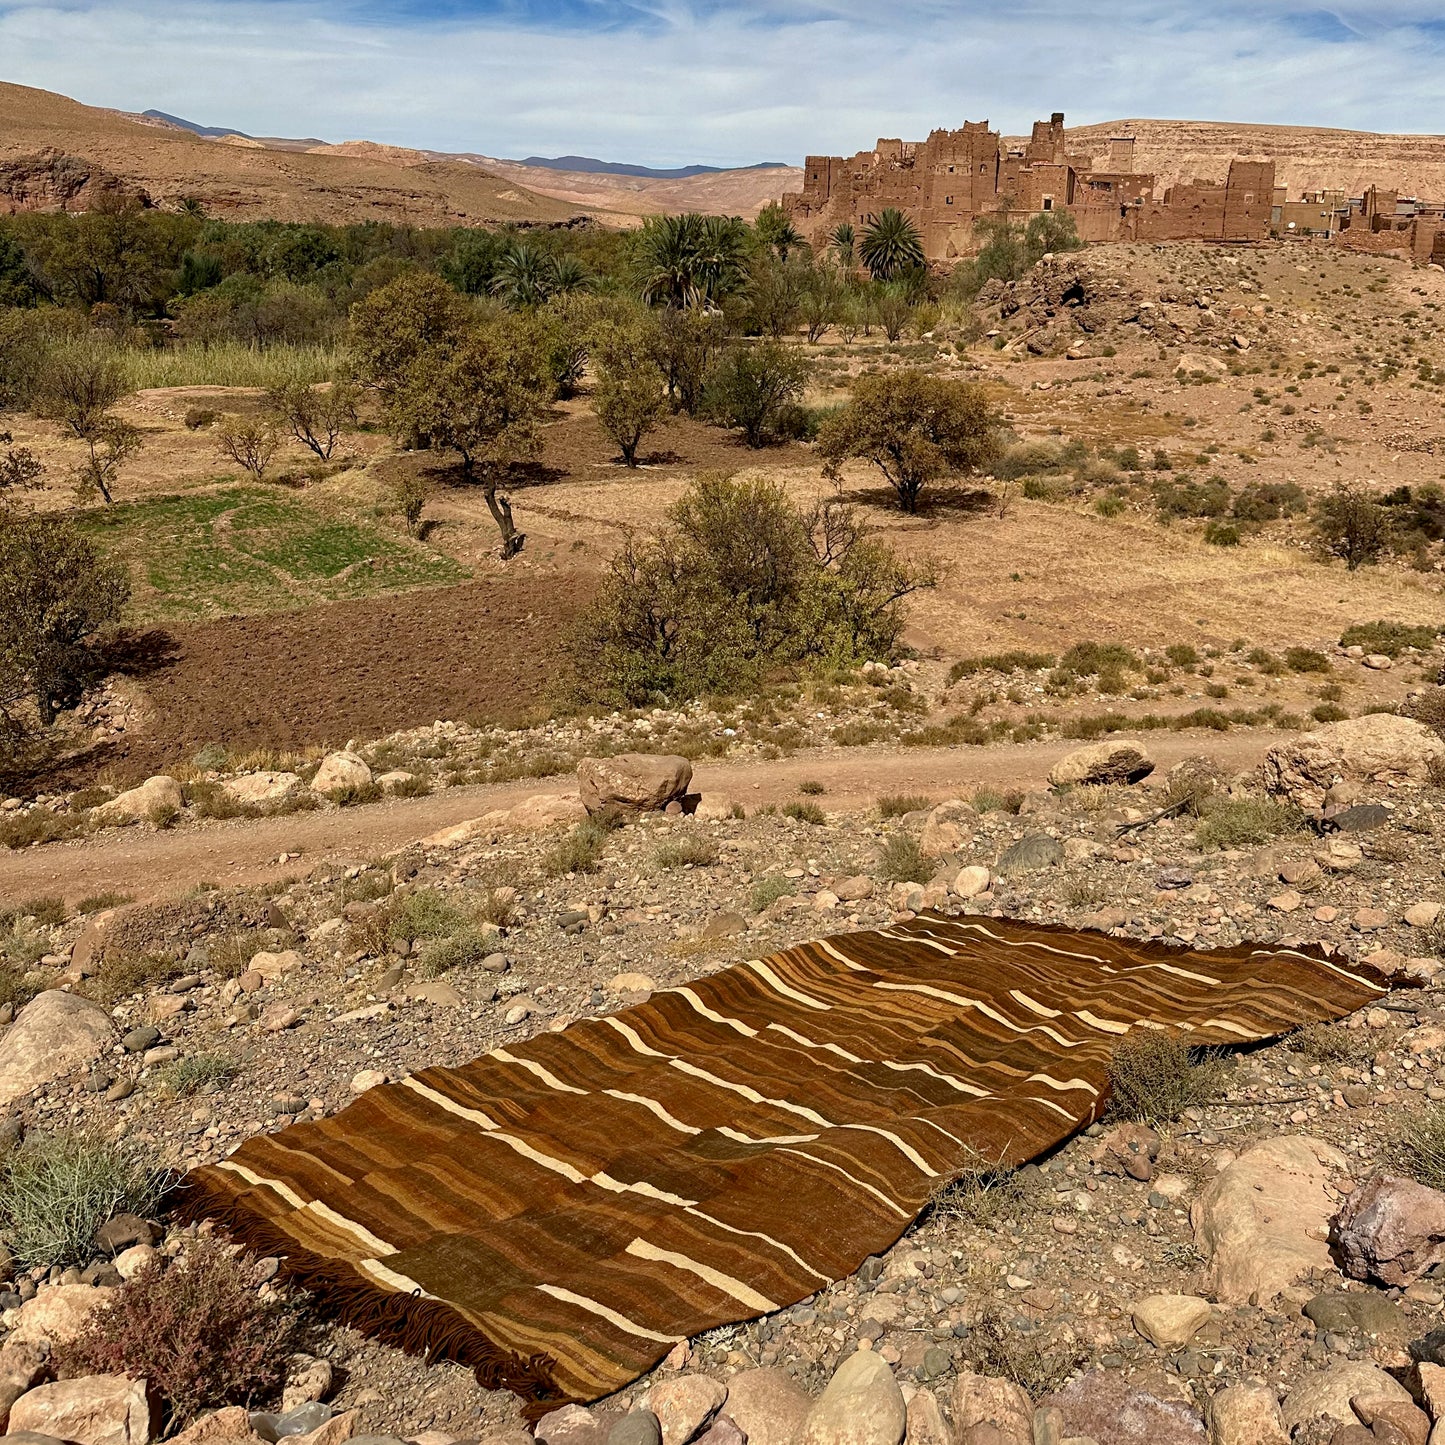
[(155, 865)]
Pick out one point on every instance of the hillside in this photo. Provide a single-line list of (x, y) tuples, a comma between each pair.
[(1308, 158), (251, 181)]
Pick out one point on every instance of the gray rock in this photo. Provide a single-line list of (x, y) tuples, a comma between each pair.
[(638, 1428), (1366, 1313), (55, 1034), (1031, 853), (769, 1406), (138, 1040)]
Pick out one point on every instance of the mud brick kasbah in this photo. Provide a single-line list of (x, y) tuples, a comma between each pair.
[(956, 176)]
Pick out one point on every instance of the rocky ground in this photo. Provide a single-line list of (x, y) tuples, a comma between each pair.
[(1260, 1267)]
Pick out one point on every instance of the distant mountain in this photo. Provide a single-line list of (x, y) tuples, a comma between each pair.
[(586, 165), (190, 125)]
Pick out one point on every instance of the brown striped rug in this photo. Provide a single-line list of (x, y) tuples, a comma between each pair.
[(560, 1213)]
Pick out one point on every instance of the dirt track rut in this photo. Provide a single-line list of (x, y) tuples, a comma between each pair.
[(231, 854)]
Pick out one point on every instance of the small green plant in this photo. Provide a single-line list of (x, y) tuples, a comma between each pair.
[(805, 813), (811, 788), (690, 850), (425, 914), (996, 800), (903, 861), (579, 852), (1420, 1151), (896, 805), (1155, 1076), (1333, 1044), (1306, 659), (767, 891), (1226, 822), (195, 1330), (56, 1190), (465, 948), (47, 912), (97, 902), (1390, 638), (196, 1072)]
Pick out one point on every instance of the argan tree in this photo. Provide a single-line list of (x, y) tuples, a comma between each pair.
[(1352, 526), (914, 428), (315, 415), (751, 386), (79, 385), (629, 397)]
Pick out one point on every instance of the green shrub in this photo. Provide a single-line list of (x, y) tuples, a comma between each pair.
[(97, 902), (996, 800), (465, 948), (903, 861), (1155, 1076), (195, 1330), (424, 914), (195, 1072), (1221, 534), (1306, 659), (56, 1190), (416, 786), (895, 805), (1226, 822), (355, 794), (1000, 662), (687, 850), (1084, 659), (1181, 654), (1328, 712), (811, 788), (38, 825), (1390, 638)]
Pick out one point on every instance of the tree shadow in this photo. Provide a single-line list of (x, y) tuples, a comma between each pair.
[(936, 502), (138, 653)]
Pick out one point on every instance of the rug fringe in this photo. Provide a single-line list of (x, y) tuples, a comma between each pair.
[(429, 1328)]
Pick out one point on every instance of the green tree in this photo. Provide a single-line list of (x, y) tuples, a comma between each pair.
[(914, 428), (685, 346), (58, 595), (1050, 233), (752, 385), (17, 282), (111, 255), (485, 398), (397, 324), (315, 415), (524, 277), (80, 383), (891, 245), (774, 228), (689, 260), (822, 300), (775, 296), (844, 241), (19, 468), (1352, 526), (629, 397)]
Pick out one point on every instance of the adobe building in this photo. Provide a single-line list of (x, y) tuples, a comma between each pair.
[(946, 183), (1382, 222)]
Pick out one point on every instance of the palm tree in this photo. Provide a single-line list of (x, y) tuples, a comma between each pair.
[(891, 244), (523, 278), (776, 230), (688, 260), (843, 242), (568, 276)]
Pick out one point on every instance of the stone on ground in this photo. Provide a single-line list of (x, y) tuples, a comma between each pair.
[(632, 782), (925, 1423), (685, 1405), (341, 770), (1263, 1222), (1105, 1407), (1245, 1414), (95, 1410), (973, 881), (1392, 1230), (638, 1428), (947, 828), (21, 1366), (860, 1405), (546, 810), (1032, 852), (55, 1034), (252, 788), (1120, 760), (1170, 1321), (1328, 1393), (769, 1406), (158, 795), (980, 1400)]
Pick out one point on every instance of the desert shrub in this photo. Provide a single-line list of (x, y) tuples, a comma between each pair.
[(811, 788), (579, 852), (1226, 822), (1181, 654), (903, 861), (497, 906), (1420, 1150), (895, 805), (198, 416), (985, 1195), (1351, 525), (1221, 534), (1036, 1363), (995, 800), (1305, 659), (39, 825), (195, 1072), (17, 985), (229, 954), (1086, 658), (463, 949), (123, 972), (1390, 638), (354, 795), (1184, 497), (196, 1330), (1333, 1044), (211, 800), (1155, 1076), (1000, 662), (687, 850), (416, 786), (47, 912), (1026, 459), (767, 891), (424, 914), (1328, 712), (250, 442), (805, 813), (737, 584), (56, 1190), (1269, 501), (1428, 707)]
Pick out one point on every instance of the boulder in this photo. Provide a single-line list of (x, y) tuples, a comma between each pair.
[(925, 1421), (1327, 1393), (1376, 747), (254, 788), (860, 1405), (972, 882), (722, 1431), (57, 1315), (20, 1367), (684, 1406), (1391, 1230), (947, 828), (546, 810), (979, 1400), (341, 770), (1263, 1222), (640, 1427), (271, 966), (55, 1034), (768, 1406), (95, 1410), (220, 1427), (1119, 760), (1245, 1415), (160, 795), (571, 1425), (1105, 1407), (1170, 1321), (632, 782)]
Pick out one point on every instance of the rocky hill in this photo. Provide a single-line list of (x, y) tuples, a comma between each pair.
[(41, 131)]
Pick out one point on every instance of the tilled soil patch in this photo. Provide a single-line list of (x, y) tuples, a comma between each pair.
[(484, 651)]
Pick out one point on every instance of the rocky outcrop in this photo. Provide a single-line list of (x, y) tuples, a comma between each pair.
[(55, 1034), (1328, 1393), (1391, 1230), (51, 181), (95, 1410), (1378, 747), (1120, 760)]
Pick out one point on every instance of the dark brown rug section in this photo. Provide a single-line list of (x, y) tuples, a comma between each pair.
[(559, 1213)]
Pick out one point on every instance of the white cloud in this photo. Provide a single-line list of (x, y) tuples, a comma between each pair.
[(759, 80)]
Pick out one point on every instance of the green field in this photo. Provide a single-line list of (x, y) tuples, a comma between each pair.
[(257, 549)]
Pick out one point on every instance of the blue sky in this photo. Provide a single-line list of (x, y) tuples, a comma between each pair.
[(676, 81)]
